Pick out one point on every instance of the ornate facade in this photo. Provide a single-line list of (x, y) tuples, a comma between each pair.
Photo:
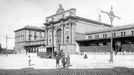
[(64, 28)]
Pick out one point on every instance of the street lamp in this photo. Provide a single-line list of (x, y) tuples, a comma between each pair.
[(111, 16)]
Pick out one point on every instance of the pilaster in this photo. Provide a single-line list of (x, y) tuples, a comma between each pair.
[(73, 32), (70, 33), (46, 36), (62, 33)]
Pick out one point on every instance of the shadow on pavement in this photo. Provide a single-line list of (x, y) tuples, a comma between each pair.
[(67, 71)]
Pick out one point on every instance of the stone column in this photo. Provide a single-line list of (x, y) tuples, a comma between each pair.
[(73, 33), (62, 31), (46, 34), (55, 39), (70, 33), (52, 36), (64, 34)]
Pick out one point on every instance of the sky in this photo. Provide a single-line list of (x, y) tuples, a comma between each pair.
[(15, 14)]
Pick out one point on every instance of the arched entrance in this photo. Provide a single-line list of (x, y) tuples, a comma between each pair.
[(58, 39)]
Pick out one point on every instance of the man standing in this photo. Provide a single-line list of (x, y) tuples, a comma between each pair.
[(63, 61), (68, 60), (57, 60)]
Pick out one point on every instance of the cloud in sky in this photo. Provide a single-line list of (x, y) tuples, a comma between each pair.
[(15, 14)]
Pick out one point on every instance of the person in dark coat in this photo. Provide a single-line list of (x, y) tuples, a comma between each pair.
[(57, 60), (29, 59), (85, 56), (63, 61), (68, 60)]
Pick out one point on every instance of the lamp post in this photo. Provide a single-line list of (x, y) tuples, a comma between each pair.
[(111, 16)]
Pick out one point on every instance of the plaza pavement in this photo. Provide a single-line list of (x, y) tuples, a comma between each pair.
[(19, 61)]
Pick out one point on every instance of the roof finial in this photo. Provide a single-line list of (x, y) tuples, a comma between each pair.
[(60, 9)]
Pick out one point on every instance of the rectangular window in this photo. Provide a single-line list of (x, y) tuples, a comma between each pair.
[(35, 36), (29, 38), (124, 33), (114, 34), (40, 35), (121, 33), (104, 35), (96, 36), (30, 34), (23, 37), (89, 37)]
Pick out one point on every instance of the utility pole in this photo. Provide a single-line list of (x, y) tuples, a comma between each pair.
[(111, 16), (6, 45)]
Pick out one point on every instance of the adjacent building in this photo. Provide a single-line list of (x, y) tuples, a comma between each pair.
[(100, 40), (29, 39)]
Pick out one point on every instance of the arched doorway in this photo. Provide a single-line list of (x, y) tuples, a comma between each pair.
[(58, 40)]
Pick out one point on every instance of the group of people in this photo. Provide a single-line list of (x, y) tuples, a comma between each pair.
[(64, 58), (60, 57)]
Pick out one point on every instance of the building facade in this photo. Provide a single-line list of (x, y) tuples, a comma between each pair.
[(73, 34), (29, 39), (64, 28), (99, 40)]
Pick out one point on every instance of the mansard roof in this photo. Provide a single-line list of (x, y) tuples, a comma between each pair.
[(34, 28), (116, 28)]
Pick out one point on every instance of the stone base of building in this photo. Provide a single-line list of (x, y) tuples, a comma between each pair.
[(71, 48)]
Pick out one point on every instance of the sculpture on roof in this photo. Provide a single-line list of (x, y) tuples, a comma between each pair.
[(60, 9)]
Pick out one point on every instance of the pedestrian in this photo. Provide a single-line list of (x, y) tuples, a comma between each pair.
[(85, 56), (29, 60), (68, 60), (63, 61), (57, 60)]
